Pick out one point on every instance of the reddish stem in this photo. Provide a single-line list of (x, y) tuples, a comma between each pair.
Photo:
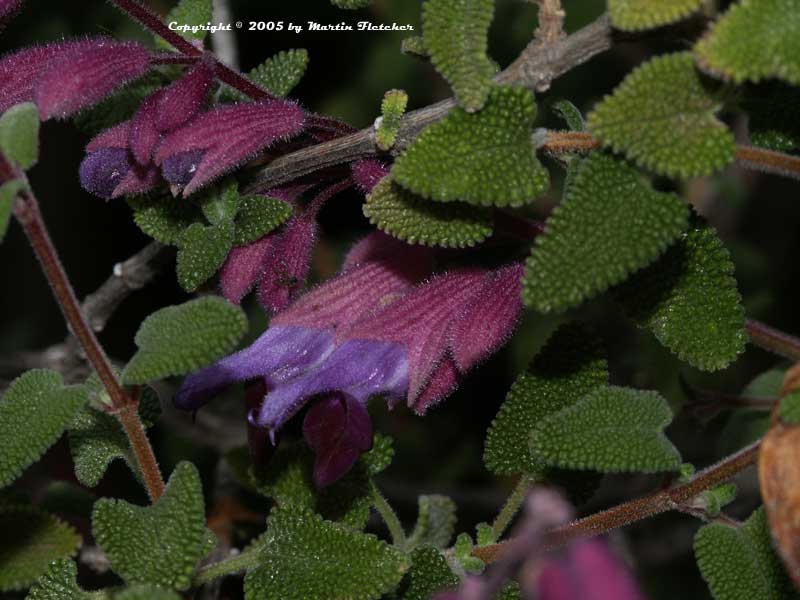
[(150, 21), (27, 213), (773, 340), (635, 510)]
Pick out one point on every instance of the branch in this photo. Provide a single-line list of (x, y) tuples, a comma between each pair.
[(535, 66), (26, 211), (635, 510), (773, 340)]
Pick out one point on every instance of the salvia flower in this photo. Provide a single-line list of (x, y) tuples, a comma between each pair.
[(216, 142), (65, 77), (367, 173), (109, 170), (119, 160), (371, 331)]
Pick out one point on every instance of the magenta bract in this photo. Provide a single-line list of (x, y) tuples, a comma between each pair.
[(8, 10), (367, 173), (184, 98), (229, 136), (244, 266), (586, 571), (82, 78), (20, 72)]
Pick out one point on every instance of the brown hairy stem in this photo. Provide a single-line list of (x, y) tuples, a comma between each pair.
[(27, 213), (773, 340), (673, 498)]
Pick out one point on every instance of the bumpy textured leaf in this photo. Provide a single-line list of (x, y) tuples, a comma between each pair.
[(610, 224), (611, 430), (487, 158), (180, 339), (571, 115), (31, 540), (279, 73), (351, 4), (436, 522), (689, 300), (58, 583), (164, 219), (789, 408), (288, 479), (381, 455), (393, 108), (221, 203), (304, 556), (258, 216), (19, 134), (429, 574), (158, 544), (189, 12), (774, 120), (96, 438), (121, 105), (570, 365), (8, 193), (635, 15), (740, 564), (754, 40), (662, 116), (202, 250), (34, 412), (147, 592), (455, 34), (413, 219), (414, 45)]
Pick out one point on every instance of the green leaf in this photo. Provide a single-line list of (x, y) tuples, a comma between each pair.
[(96, 438), (34, 412), (8, 193), (571, 115), (393, 108), (19, 134), (164, 219), (158, 544), (58, 583), (611, 430), (288, 480), (571, 365), (192, 13), (636, 15), (180, 339), (429, 574), (351, 4), (462, 556), (485, 158), (662, 117), (31, 540), (381, 454), (304, 556), (610, 224), (202, 251), (739, 563), (773, 118), (415, 46), (689, 300), (278, 74), (413, 219), (455, 34), (258, 216), (121, 105), (789, 408), (754, 40), (436, 522), (147, 592), (221, 204)]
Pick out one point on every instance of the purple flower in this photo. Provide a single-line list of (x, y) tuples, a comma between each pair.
[(339, 430), (109, 171), (227, 136), (447, 325), (83, 77)]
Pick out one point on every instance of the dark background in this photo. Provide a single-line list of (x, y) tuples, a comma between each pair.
[(756, 215)]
